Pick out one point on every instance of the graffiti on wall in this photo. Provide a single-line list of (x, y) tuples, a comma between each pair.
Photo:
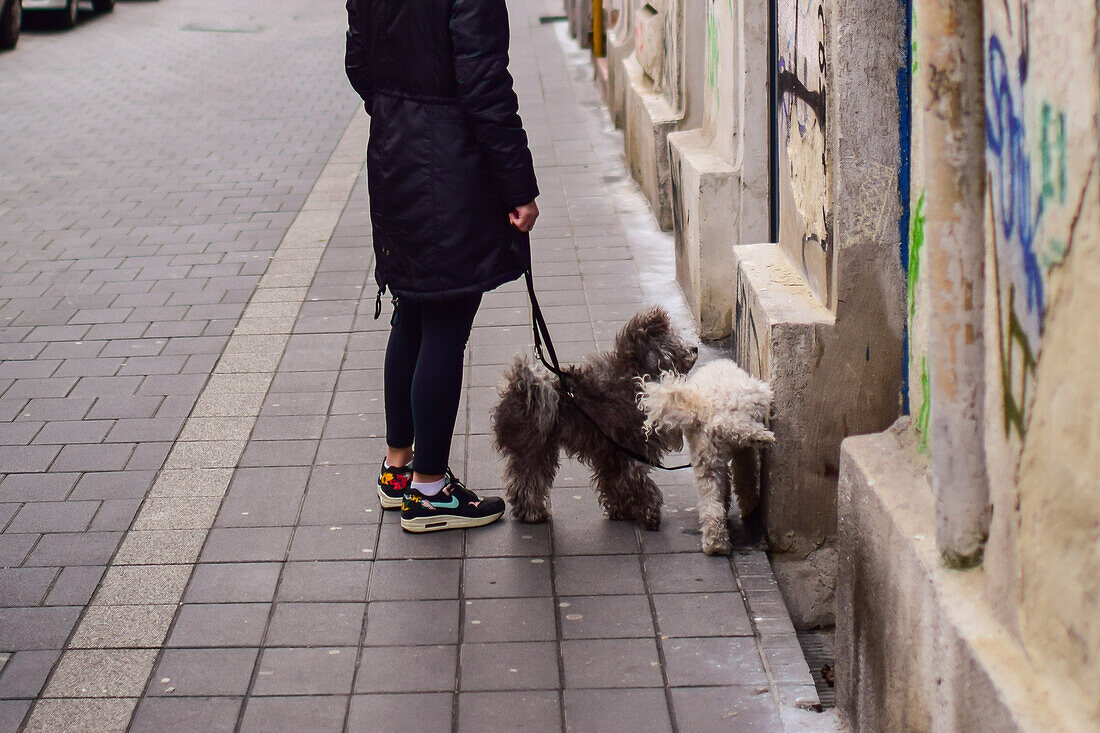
[(917, 301), (803, 184), (1028, 202)]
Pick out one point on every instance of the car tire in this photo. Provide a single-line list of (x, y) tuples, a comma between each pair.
[(11, 19), (103, 6), (67, 18)]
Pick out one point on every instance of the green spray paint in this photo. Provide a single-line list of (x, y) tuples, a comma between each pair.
[(1053, 148), (913, 44), (712, 49), (916, 244), (926, 405)]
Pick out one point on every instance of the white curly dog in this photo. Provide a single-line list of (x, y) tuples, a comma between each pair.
[(720, 411)]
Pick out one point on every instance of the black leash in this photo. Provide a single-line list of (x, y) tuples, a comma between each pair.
[(543, 340)]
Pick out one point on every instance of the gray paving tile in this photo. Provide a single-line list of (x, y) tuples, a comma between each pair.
[(399, 669), (200, 672), (325, 581), (54, 516), (186, 714), (395, 623), (233, 583), (219, 625), (14, 548), (702, 614), (335, 542), (705, 709), (326, 671), (508, 538), (12, 712), (509, 666), (617, 710), (74, 548), (114, 485), (607, 663), (509, 619), (713, 661), (688, 573), (74, 586), (536, 711), (115, 515), (396, 544), (507, 578), (605, 617), (396, 580), (37, 486), (25, 586), (389, 713), (274, 509), (598, 575), (315, 624), (246, 544), (315, 714), (25, 672)]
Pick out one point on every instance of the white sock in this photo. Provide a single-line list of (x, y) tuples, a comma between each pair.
[(429, 488)]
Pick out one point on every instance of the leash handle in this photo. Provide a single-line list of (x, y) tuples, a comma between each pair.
[(542, 339)]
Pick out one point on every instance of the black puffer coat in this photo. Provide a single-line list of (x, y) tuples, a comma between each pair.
[(448, 157)]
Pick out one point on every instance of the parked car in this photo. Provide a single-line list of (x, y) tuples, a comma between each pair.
[(11, 19), (65, 11)]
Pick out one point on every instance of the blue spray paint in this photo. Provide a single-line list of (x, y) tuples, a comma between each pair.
[(905, 145), (1006, 137)]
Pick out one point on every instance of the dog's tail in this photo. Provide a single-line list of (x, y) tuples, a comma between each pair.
[(528, 409)]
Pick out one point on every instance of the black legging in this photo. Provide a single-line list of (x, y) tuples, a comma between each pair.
[(424, 376)]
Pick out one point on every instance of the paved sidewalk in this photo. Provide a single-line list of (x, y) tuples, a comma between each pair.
[(193, 403)]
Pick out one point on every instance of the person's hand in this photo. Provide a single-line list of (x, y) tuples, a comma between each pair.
[(523, 217)]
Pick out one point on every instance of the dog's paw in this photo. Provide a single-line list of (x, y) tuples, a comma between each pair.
[(530, 515), (718, 548), (650, 519), (716, 543)]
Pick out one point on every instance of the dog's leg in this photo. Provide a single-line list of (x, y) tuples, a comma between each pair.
[(528, 476), (713, 482), (624, 489), (646, 496), (746, 480)]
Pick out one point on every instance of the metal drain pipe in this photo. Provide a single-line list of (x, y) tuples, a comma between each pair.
[(598, 50)]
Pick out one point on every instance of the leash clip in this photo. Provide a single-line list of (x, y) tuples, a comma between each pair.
[(378, 303)]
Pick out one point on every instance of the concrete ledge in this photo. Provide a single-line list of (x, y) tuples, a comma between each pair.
[(780, 332), (706, 216), (649, 120), (917, 649)]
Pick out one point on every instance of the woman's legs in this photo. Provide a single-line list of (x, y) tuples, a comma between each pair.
[(424, 380), (437, 382), (401, 355)]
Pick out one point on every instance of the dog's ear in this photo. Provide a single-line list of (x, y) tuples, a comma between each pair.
[(643, 341), (667, 405)]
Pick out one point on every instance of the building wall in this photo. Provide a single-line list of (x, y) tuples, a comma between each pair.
[(803, 168), (1042, 87), (1020, 633), (957, 216)]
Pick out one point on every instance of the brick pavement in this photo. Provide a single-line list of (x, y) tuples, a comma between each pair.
[(156, 389)]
